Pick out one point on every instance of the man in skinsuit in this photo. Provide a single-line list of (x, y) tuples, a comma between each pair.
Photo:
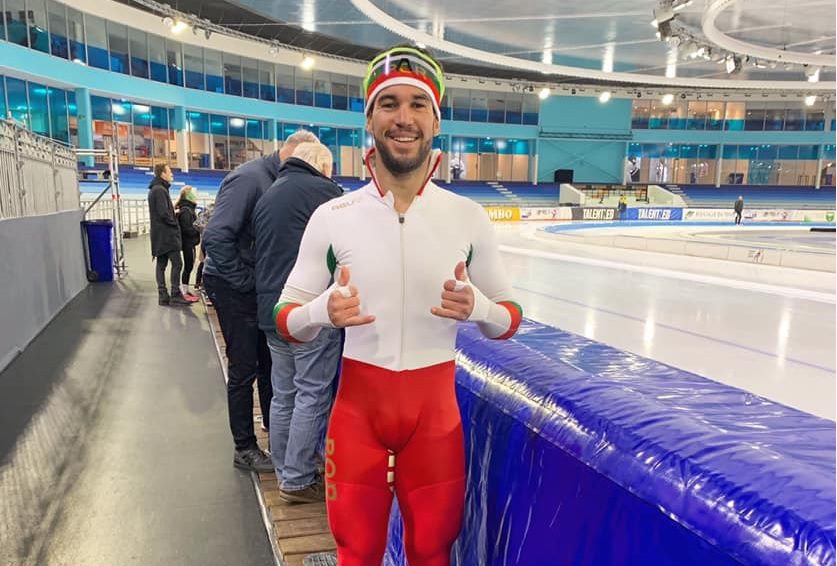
[(408, 261)]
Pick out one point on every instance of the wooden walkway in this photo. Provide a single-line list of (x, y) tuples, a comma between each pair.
[(298, 529)]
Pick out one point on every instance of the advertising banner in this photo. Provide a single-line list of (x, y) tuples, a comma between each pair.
[(594, 214), (758, 215), (653, 214), (503, 213), (557, 213)]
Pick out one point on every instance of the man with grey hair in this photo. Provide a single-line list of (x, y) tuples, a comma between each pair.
[(229, 280), (302, 374)]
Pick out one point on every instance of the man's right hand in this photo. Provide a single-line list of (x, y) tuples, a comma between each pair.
[(344, 304)]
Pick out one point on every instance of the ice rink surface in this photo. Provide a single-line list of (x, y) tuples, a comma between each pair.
[(765, 329)]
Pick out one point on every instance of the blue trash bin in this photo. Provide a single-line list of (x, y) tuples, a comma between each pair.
[(100, 249)]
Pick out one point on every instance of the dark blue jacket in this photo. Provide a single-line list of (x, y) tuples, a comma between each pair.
[(279, 221), (228, 238)]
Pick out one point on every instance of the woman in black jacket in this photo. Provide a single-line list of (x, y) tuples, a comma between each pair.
[(189, 235)]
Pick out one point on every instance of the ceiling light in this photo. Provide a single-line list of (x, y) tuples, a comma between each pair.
[(682, 5), (544, 93), (604, 97), (207, 32), (307, 63), (667, 99), (813, 74), (420, 45), (273, 49), (810, 100), (168, 21), (733, 64), (179, 27)]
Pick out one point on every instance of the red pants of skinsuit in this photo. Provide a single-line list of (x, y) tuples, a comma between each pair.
[(406, 422)]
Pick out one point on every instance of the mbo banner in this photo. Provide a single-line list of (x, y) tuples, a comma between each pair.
[(653, 214), (503, 213)]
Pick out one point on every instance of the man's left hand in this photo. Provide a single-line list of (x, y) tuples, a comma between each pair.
[(457, 296)]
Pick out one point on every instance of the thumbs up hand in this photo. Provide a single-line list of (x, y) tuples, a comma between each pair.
[(344, 303), (457, 296)]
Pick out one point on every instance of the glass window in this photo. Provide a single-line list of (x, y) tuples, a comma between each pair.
[(157, 59), (794, 117), (59, 124), (18, 100), (640, 112), (238, 142), (141, 135), (304, 86), (267, 81), (514, 108), (17, 30), (322, 89), (118, 46), (160, 117), (220, 139), (461, 104), (496, 107), (198, 125), (97, 42), (754, 116), (38, 109), (677, 115), (75, 35), (100, 108), (814, 119), (696, 115), (174, 60), (328, 136), (2, 97), (339, 92), (121, 111), (36, 14), (356, 102), (250, 73), (444, 107), (232, 74), (255, 129), (213, 70), (139, 52), (774, 116), (734, 119), (285, 84), (58, 30), (714, 115), (657, 116), (479, 106), (193, 65), (530, 109)]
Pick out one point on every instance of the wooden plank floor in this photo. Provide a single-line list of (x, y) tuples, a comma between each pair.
[(299, 529)]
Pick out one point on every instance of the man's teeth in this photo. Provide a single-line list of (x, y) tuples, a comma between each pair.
[(403, 139)]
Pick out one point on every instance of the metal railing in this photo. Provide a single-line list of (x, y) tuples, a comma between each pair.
[(135, 217), (38, 175)]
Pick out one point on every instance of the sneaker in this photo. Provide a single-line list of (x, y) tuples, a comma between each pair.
[(163, 298), (190, 297), (254, 460), (314, 493), (178, 300)]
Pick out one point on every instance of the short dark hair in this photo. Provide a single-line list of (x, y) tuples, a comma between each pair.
[(159, 169)]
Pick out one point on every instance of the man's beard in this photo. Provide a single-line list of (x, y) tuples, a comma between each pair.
[(402, 166)]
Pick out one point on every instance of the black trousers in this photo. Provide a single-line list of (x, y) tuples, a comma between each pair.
[(248, 358), (176, 265), (737, 217), (188, 263)]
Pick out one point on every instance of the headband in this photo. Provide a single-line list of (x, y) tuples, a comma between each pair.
[(404, 66)]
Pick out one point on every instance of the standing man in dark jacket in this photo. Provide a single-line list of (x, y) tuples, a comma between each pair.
[(301, 374), (165, 236), (229, 280), (738, 207)]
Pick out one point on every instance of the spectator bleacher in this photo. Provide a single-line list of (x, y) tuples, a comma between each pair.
[(758, 196)]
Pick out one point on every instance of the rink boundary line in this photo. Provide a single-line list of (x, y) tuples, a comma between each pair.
[(780, 290)]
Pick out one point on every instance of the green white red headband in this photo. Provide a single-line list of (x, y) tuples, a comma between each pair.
[(404, 66)]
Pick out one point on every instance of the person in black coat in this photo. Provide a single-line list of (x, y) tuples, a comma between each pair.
[(229, 282), (189, 235), (738, 207), (301, 374), (165, 235)]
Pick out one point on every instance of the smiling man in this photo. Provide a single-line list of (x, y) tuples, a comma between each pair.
[(408, 261)]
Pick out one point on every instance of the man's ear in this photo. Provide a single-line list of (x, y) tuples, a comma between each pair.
[(437, 127)]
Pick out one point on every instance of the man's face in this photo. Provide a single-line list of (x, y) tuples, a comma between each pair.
[(403, 125), (167, 175)]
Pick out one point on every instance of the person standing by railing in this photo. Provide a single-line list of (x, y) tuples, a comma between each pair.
[(189, 236), (165, 236)]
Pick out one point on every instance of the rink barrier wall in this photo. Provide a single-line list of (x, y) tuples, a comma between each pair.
[(580, 453)]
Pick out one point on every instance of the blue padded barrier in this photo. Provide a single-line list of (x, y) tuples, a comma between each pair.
[(579, 453)]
